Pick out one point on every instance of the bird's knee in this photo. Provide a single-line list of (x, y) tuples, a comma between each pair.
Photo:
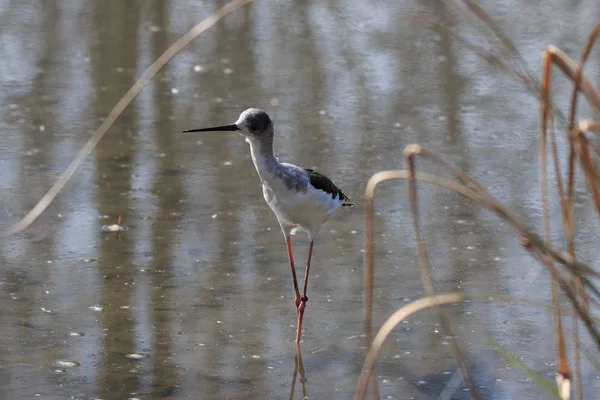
[(301, 309)]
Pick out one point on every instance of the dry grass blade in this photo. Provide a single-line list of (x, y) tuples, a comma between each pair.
[(479, 13), (575, 73), (483, 16), (486, 200), (514, 360), (45, 201), (579, 146), (368, 270), (589, 125), (573, 111), (533, 244), (546, 115), (410, 153), (517, 69), (579, 73), (587, 165), (389, 325), (569, 68), (590, 356), (409, 309), (568, 211), (461, 175), (482, 52), (585, 126)]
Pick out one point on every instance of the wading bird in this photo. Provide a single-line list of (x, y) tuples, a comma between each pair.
[(301, 198)]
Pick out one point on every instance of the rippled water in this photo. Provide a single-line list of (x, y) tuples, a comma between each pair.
[(194, 299)]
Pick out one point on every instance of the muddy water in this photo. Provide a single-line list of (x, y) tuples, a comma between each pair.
[(194, 300)]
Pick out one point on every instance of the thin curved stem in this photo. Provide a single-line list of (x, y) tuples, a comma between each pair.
[(117, 110)]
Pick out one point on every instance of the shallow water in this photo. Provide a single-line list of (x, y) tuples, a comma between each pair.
[(194, 300)]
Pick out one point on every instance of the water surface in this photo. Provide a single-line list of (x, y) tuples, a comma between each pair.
[(195, 299)]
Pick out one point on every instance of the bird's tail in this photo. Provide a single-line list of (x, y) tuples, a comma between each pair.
[(346, 199)]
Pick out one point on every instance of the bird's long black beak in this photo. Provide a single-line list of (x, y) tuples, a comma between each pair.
[(231, 127)]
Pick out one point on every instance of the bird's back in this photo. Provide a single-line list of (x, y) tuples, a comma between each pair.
[(296, 201)]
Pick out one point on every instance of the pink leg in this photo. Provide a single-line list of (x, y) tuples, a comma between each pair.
[(291, 257), (304, 297)]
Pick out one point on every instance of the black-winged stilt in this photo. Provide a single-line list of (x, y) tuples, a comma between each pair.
[(301, 198)]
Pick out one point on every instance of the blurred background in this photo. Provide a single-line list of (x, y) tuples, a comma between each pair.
[(195, 299)]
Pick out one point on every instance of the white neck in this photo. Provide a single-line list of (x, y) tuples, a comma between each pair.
[(263, 157)]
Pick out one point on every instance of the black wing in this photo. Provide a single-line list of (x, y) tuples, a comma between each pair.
[(320, 181)]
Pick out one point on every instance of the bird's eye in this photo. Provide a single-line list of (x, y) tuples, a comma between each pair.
[(253, 127)]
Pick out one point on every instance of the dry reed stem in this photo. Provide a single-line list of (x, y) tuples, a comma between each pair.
[(535, 246), (509, 46), (368, 270), (569, 68), (568, 215), (587, 165), (405, 311), (520, 71), (578, 80), (488, 201), (481, 51), (573, 111), (409, 156), (553, 56), (518, 68), (118, 109), (575, 73), (389, 325), (563, 368), (583, 128), (532, 244), (579, 73), (589, 125)]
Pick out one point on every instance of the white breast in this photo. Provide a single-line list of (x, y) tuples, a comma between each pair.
[(304, 210), (287, 190)]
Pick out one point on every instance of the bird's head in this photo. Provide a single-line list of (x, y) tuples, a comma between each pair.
[(254, 124)]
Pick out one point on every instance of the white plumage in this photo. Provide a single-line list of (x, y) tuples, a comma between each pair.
[(297, 210)]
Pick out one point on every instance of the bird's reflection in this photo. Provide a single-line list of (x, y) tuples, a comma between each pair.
[(298, 370)]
